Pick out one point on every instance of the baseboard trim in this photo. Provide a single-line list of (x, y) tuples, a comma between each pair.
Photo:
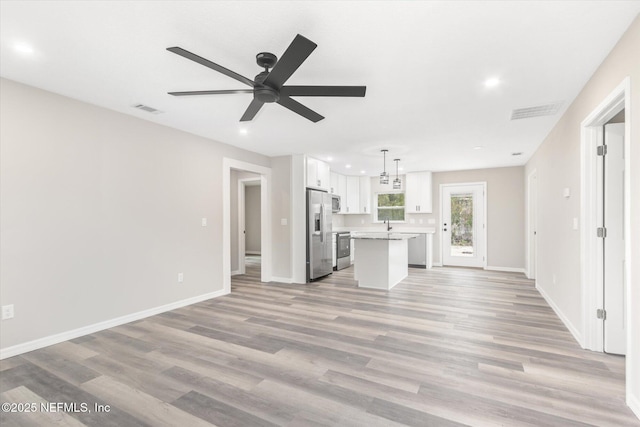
[(437, 264), (252, 253), (281, 279), (634, 403), (574, 331), (507, 269), (86, 330), (235, 272)]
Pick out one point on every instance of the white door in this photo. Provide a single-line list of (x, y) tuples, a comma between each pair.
[(614, 281), (463, 225)]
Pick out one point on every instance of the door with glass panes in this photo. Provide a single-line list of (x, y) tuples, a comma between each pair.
[(463, 224)]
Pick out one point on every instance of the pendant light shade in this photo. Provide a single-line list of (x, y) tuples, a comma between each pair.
[(397, 184), (384, 176)]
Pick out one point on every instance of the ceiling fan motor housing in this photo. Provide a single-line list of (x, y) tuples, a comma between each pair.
[(262, 92)]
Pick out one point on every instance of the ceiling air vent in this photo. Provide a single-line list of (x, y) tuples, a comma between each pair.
[(147, 109), (537, 111)]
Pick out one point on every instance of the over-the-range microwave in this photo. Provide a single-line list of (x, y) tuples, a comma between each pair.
[(335, 203)]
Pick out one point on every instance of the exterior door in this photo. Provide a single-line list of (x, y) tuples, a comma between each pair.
[(615, 328), (463, 225)]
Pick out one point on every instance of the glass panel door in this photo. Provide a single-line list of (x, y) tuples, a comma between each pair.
[(463, 225)]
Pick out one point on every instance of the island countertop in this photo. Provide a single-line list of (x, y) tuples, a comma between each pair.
[(383, 235)]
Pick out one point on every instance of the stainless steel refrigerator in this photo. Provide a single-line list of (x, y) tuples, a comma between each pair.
[(319, 243)]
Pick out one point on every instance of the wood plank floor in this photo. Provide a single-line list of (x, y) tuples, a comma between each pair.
[(446, 347)]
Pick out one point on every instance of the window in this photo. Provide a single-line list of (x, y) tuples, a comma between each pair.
[(390, 206)]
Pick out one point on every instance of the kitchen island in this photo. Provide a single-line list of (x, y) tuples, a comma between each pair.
[(381, 259)]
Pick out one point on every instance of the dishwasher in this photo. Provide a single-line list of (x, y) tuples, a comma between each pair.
[(418, 251)]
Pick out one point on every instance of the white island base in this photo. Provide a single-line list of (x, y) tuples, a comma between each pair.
[(380, 263)]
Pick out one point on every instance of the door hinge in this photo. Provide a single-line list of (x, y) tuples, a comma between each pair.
[(602, 232), (602, 150), (601, 313)]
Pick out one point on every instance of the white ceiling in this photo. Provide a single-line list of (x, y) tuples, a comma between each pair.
[(424, 65)]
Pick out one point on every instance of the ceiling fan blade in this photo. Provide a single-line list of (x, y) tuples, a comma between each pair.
[(299, 49), (252, 110), (296, 107), (358, 91), (212, 65), (211, 92)]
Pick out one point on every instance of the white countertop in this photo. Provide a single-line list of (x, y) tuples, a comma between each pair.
[(383, 235), (383, 229)]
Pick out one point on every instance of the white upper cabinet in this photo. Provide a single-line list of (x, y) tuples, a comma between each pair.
[(352, 199), (354, 192), (418, 192), (318, 174), (334, 184), (365, 195)]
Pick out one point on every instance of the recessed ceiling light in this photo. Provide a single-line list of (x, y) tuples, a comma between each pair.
[(492, 82), (400, 168), (363, 171), (329, 159), (23, 48), (243, 131), (348, 166), (478, 147)]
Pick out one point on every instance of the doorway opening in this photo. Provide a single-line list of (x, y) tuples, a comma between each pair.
[(595, 280), (249, 235), (230, 239), (464, 233)]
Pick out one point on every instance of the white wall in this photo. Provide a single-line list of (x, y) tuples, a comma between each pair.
[(282, 210), (100, 212), (557, 163)]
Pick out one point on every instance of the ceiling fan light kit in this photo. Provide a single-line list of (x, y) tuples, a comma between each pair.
[(268, 86)]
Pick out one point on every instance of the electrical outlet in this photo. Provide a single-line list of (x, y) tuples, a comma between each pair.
[(180, 277), (7, 312)]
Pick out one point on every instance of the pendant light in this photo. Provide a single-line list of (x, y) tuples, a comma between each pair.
[(397, 184), (384, 176)]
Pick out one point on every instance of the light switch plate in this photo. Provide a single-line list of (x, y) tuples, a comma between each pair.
[(180, 277), (204, 222), (575, 223), (283, 221), (7, 312)]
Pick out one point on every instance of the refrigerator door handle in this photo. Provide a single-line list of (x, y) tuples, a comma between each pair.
[(321, 222)]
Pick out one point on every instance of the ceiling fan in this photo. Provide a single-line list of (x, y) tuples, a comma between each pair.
[(268, 86)]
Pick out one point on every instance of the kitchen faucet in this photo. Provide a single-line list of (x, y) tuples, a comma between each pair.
[(389, 227)]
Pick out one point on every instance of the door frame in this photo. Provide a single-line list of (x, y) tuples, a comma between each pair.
[(242, 224), (486, 223), (265, 218), (591, 256), (532, 224)]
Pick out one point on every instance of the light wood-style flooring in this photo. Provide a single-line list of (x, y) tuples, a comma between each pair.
[(446, 347)]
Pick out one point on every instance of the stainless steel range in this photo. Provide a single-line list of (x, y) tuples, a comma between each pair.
[(343, 250)]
